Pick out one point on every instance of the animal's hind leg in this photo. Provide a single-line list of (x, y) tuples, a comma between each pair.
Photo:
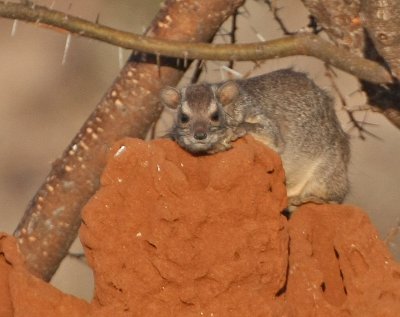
[(324, 186)]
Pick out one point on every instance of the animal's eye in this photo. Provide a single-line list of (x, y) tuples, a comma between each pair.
[(215, 116), (183, 118)]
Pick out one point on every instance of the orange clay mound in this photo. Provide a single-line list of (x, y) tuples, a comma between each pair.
[(169, 234)]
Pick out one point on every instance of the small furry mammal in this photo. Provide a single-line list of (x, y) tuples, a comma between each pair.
[(286, 111)]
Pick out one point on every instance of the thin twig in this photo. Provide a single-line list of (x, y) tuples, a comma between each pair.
[(274, 10), (356, 124), (232, 34), (198, 70), (304, 44)]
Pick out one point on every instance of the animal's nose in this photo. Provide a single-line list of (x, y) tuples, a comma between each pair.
[(200, 135)]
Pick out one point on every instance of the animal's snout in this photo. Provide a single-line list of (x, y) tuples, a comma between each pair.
[(200, 131), (200, 135)]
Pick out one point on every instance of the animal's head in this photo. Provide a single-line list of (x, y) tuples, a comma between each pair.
[(201, 121)]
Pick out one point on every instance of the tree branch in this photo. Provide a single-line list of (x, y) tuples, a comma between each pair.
[(341, 21), (129, 108), (304, 44), (381, 19)]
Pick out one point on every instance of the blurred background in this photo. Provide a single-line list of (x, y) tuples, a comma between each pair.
[(47, 90)]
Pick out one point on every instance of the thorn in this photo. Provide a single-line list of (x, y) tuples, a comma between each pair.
[(222, 74), (203, 64), (200, 65), (120, 57), (66, 48), (52, 4), (232, 71), (185, 60), (69, 6), (158, 59), (14, 27), (197, 71), (258, 35), (97, 18)]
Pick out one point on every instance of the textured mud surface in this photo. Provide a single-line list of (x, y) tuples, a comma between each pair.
[(169, 234)]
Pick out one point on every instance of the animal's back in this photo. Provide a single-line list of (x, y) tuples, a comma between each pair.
[(314, 148)]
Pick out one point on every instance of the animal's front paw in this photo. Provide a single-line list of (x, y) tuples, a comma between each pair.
[(220, 147), (238, 133)]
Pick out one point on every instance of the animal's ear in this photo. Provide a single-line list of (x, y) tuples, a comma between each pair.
[(170, 97), (228, 92)]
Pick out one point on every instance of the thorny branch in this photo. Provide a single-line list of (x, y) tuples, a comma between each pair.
[(304, 44), (356, 123), (329, 70), (129, 108), (232, 34)]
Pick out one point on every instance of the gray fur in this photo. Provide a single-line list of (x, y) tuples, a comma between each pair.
[(286, 111)]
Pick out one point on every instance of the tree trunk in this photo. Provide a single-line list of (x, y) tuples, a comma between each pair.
[(129, 108)]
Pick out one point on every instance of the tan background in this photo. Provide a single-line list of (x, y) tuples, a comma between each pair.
[(44, 102)]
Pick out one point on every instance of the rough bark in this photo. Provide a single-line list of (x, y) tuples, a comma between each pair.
[(128, 108), (381, 20), (340, 20), (369, 29)]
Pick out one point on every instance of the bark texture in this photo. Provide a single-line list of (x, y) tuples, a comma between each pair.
[(381, 20), (370, 29), (128, 108), (340, 20)]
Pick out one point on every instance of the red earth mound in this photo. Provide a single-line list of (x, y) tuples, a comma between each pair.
[(170, 234)]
